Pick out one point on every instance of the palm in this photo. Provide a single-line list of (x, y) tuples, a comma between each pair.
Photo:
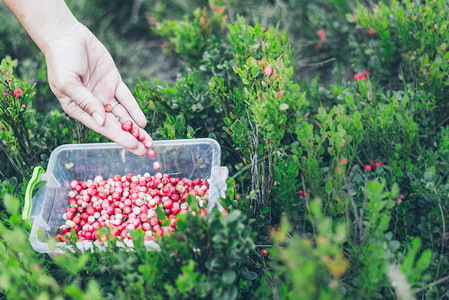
[(84, 78)]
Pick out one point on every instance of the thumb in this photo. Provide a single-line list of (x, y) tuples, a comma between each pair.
[(88, 103)]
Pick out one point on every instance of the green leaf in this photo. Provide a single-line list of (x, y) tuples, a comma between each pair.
[(395, 190), (228, 277), (250, 275), (38, 186), (254, 71), (11, 204), (233, 29), (193, 202), (283, 106), (350, 102), (160, 213)]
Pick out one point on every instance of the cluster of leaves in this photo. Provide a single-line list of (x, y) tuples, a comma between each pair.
[(29, 137)]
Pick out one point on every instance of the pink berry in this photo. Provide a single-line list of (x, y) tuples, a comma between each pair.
[(156, 165), (377, 164), (108, 107), (148, 144), (141, 137), (151, 153), (264, 252), (127, 125), (368, 167), (74, 184), (321, 33), (146, 226)]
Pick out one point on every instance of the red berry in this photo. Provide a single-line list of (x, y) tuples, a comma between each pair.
[(175, 209), (154, 221), (321, 33), (156, 165), (74, 183), (368, 167), (168, 204), (127, 210), (377, 164), (76, 219), (148, 144), (264, 252), (108, 107), (127, 125), (146, 226), (70, 215), (151, 153)]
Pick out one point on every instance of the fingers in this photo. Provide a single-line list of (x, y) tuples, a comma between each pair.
[(124, 96), (122, 114), (87, 102), (110, 129)]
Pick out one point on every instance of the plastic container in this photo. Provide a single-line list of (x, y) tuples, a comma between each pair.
[(179, 158)]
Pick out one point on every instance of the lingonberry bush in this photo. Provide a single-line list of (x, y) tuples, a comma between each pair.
[(335, 133)]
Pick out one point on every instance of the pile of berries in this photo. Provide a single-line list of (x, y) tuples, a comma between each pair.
[(129, 202), (303, 194), (372, 162)]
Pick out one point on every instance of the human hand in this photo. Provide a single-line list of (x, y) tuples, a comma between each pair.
[(84, 78)]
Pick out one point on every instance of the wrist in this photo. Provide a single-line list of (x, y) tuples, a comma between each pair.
[(45, 20), (55, 30)]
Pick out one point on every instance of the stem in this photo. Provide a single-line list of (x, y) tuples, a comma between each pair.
[(439, 281)]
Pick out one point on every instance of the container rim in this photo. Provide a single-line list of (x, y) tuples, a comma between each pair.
[(112, 145)]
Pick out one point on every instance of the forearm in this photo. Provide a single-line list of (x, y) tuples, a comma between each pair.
[(44, 20)]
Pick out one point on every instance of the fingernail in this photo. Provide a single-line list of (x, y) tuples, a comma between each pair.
[(98, 118)]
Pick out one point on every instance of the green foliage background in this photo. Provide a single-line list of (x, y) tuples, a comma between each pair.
[(344, 182)]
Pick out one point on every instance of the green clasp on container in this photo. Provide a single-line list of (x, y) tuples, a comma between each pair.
[(29, 194)]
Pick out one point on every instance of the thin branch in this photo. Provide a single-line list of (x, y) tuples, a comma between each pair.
[(439, 281)]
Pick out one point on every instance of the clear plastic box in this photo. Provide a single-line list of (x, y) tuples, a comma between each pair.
[(181, 158)]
